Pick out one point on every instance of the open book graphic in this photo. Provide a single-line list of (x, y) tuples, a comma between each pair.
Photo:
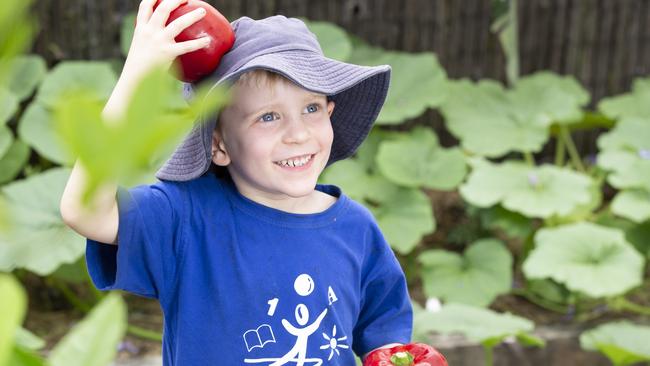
[(258, 337)]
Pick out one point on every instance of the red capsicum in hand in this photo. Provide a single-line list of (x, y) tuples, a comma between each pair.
[(412, 354)]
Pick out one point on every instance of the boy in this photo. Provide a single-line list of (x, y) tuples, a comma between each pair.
[(252, 261)]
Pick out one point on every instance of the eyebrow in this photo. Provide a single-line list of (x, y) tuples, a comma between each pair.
[(311, 95)]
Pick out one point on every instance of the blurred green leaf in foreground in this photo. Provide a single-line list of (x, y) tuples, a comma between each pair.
[(123, 150)]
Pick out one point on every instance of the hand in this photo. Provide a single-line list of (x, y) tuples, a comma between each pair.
[(153, 43)]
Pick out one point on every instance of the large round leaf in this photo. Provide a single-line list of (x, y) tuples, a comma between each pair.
[(418, 82), (625, 152), (94, 340), (333, 39), (405, 215), (633, 104), (37, 129), (8, 105), (26, 73), (429, 165), (13, 161), (482, 116), (36, 226), (478, 324), (632, 204), (622, 342), (475, 278), (544, 92), (586, 257), (532, 191), (92, 76)]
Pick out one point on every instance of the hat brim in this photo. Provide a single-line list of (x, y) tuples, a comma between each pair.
[(358, 92)]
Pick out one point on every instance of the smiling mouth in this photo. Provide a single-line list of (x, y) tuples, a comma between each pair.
[(298, 161)]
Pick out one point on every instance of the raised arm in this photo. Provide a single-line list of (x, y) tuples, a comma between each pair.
[(152, 46)]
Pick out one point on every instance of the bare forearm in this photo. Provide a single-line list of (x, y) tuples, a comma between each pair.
[(98, 218)]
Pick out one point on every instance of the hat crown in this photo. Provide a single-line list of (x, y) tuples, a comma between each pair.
[(254, 38)]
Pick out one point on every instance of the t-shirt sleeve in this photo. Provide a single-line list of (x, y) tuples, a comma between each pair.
[(149, 242), (386, 314)]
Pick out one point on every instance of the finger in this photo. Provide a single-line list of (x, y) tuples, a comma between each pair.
[(161, 14), (184, 21), (190, 46), (144, 11)]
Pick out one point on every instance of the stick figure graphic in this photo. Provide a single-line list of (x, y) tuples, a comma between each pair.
[(304, 285)]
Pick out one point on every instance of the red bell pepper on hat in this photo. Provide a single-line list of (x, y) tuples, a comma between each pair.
[(412, 354)]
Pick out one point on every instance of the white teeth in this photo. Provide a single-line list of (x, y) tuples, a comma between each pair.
[(295, 162)]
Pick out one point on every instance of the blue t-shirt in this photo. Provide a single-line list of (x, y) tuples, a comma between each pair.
[(242, 283)]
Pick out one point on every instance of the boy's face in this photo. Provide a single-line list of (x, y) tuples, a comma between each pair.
[(266, 125)]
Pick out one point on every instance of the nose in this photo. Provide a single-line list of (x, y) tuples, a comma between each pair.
[(296, 130)]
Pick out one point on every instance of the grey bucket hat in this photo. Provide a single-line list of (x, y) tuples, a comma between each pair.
[(286, 46)]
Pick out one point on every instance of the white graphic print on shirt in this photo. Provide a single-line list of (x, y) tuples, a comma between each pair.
[(260, 336)]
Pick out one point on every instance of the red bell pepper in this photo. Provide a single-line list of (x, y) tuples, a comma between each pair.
[(412, 354)]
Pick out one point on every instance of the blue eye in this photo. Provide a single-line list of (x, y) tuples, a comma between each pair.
[(267, 117), (312, 108)]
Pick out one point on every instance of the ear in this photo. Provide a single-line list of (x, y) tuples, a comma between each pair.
[(330, 107), (219, 153)]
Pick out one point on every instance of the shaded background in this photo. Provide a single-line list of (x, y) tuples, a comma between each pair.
[(605, 44)]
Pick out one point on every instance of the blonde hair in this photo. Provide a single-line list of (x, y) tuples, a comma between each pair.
[(260, 78)]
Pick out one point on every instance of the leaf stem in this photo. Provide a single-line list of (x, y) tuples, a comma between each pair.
[(621, 303), (530, 159), (571, 147), (69, 295), (144, 333), (489, 355), (560, 151)]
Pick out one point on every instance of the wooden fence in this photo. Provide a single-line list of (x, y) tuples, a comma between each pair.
[(604, 43)]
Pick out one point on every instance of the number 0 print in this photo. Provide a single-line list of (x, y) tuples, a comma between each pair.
[(272, 304)]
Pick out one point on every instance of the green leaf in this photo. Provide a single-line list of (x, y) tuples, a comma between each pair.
[(541, 192), (94, 340), (6, 139), (638, 235), (12, 308), (513, 224), (37, 128), (333, 39), (625, 153), (622, 342), (27, 72), (17, 27), (97, 77), (477, 324), (586, 257), (13, 161), (633, 104), (429, 165), (8, 105), (418, 82), (33, 206), (485, 121), (404, 215), (28, 340), (561, 98), (25, 357), (475, 278), (632, 204), (125, 149)]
